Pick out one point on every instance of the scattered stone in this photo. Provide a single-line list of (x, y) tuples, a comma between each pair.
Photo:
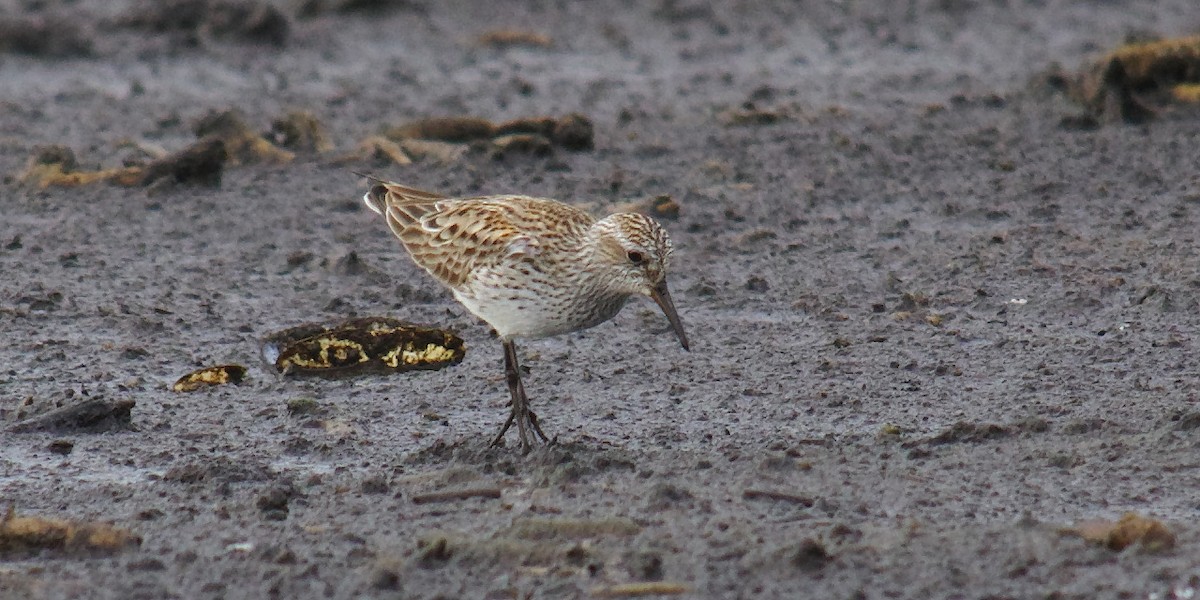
[(63, 447), (93, 416)]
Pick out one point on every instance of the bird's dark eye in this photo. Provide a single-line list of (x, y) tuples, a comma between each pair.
[(636, 257)]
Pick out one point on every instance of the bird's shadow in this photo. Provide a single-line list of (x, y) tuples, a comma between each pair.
[(556, 463)]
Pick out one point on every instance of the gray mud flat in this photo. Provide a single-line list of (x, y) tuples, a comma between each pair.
[(931, 326)]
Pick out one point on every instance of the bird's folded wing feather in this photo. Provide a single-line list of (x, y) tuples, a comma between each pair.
[(453, 239)]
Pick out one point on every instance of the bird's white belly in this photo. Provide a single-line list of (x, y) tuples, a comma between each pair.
[(532, 313)]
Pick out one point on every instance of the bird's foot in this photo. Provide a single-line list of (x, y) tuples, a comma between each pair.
[(525, 419), (533, 420)]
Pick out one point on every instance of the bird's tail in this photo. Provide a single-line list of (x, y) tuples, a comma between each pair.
[(376, 197), (384, 193)]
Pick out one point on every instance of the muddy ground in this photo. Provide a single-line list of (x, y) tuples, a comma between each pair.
[(933, 324)]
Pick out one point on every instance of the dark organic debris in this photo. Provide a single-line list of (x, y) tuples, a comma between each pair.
[(56, 165), (518, 143), (432, 553), (666, 495), (534, 134), (967, 433), (313, 8), (242, 144), (512, 38), (93, 415), (273, 502), (217, 469), (641, 589), (305, 406), (1188, 421), (251, 21), (457, 130), (210, 377), (573, 132), (663, 207), (361, 346), (750, 115), (753, 494), (378, 150), (202, 163), (47, 36), (1151, 534), (28, 536), (458, 494), (808, 555), (300, 131), (536, 528), (1134, 81)]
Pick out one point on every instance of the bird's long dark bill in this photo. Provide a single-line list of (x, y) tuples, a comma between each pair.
[(663, 297)]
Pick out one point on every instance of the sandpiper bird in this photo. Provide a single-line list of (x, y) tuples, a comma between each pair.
[(530, 267)]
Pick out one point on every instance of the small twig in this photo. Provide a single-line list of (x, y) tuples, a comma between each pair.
[(645, 588), (751, 494), (451, 495)]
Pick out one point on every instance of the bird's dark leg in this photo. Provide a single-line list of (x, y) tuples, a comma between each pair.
[(520, 403)]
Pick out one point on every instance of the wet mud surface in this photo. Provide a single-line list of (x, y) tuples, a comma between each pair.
[(934, 323)]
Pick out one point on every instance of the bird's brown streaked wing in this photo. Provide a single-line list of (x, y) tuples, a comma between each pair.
[(452, 239)]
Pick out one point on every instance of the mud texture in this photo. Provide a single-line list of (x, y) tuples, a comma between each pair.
[(934, 322)]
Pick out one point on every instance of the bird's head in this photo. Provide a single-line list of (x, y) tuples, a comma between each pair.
[(636, 252)]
